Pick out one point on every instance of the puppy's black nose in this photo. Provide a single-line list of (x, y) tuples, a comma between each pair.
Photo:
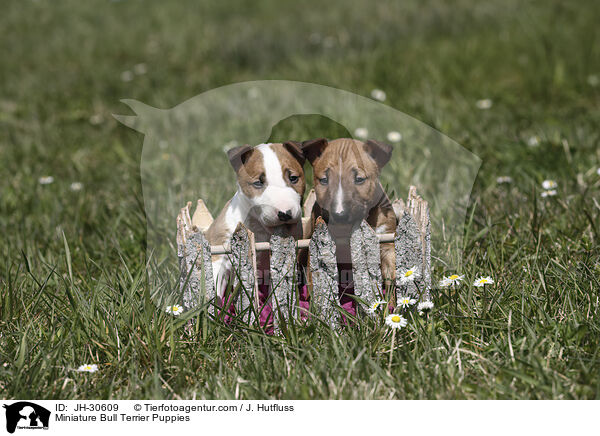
[(284, 216), (340, 217)]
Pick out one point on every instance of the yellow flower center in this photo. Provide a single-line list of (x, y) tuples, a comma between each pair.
[(453, 277), (408, 273), (396, 318)]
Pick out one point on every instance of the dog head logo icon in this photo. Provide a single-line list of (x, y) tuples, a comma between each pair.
[(24, 414)]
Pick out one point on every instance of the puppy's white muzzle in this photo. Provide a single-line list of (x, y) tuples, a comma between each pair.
[(277, 206)]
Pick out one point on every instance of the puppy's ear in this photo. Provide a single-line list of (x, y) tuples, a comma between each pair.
[(312, 149), (238, 156), (379, 151), (295, 148)]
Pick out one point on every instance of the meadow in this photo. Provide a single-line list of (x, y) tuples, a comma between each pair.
[(516, 83)]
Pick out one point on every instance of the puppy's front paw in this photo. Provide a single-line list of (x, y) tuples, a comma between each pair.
[(222, 270), (388, 262), (388, 268)]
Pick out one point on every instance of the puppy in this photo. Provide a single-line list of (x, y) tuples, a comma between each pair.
[(270, 186), (348, 190)]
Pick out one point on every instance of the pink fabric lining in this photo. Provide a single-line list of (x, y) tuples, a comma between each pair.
[(266, 315)]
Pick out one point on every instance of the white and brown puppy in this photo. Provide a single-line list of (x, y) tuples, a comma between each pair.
[(348, 190), (270, 186)]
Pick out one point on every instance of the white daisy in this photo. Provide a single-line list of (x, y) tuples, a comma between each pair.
[(46, 180), (504, 179), (378, 94), (533, 141), (486, 103), (452, 280), (88, 368), (409, 275), (361, 133), (549, 184), (175, 310), (76, 186), (598, 171), (374, 306), (593, 80), (550, 193), (396, 321), (482, 281), (127, 76), (406, 301), (140, 69), (424, 306), (394, 136)]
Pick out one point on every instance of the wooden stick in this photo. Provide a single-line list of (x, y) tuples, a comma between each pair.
[(300, 243), (323, 278), (366, 264)]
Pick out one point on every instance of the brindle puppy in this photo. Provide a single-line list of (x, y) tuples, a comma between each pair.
[(348, 190)]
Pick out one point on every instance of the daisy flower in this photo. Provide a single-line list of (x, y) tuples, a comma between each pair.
[(593, 80), (396, 321), (378, 94), (46, 180), (88, 368), (550, 193), (424, 306), (76, 186), (482, 281), (486, 103), (374, 306), (549, 184), (452, 280), (504, 179), (598, 171), (361, 133), (409, 275), (175, 310), (406, 301), (534, 141), (394, 136)]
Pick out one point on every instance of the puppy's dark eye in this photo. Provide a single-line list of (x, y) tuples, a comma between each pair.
[(258, 184), (359, 180), (324, 181), (294, 179)]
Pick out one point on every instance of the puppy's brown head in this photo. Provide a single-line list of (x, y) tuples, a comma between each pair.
[(346, 176), (271, 181)]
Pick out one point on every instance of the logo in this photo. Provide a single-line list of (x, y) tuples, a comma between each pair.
[(26, 415)]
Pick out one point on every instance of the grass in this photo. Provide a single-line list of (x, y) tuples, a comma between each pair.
[(74, 286)]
